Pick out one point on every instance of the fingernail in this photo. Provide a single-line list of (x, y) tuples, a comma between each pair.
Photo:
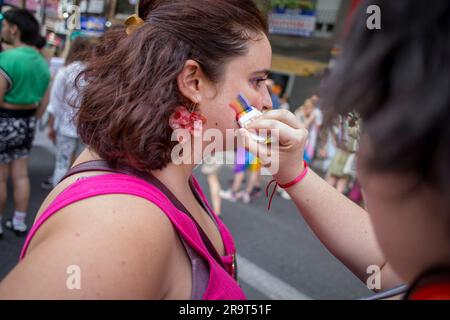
[(242, 131)]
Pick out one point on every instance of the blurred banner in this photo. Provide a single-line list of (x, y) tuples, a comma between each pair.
[(292, 24), (293, 17)]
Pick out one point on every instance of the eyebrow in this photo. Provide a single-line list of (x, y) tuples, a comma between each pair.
[(264, 72)]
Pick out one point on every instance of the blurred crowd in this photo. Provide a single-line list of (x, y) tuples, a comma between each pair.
[(37, 90)]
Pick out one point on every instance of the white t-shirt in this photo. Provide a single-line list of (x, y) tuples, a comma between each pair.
[(64, 95)]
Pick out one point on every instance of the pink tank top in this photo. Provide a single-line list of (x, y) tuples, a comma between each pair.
[(220, 271)]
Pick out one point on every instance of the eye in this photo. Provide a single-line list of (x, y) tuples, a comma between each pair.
[(258, 82)]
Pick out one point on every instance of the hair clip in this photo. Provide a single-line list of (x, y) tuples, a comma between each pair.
[(133, 23)]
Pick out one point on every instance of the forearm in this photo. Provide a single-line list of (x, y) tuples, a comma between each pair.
[(343, 227)]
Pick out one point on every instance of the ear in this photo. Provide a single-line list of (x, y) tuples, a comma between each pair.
[(192, 81), (14, 30)]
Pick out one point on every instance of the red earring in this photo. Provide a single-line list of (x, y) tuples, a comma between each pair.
[(183, 119)]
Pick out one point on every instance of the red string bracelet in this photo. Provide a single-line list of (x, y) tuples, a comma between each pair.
[(287, 185)]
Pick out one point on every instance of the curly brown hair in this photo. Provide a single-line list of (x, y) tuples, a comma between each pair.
[(132, 90)]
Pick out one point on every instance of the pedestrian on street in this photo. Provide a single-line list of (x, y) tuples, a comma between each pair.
[(340, 173), (311, 117), (211, 168), (24, 78), (245, 162), (64, 102)]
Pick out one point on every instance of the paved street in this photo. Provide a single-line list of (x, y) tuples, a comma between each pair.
[(279, 257)]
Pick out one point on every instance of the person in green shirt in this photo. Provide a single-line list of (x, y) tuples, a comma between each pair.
[(24, 78)]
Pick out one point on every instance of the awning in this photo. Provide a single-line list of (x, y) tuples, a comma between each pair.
[(299, 67)]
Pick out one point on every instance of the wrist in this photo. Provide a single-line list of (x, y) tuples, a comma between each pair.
[(290, 173), (279, 181)]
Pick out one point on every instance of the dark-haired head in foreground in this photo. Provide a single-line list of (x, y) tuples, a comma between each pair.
[(398, 79)]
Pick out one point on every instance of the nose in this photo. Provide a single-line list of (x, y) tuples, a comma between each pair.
[(266, 100)]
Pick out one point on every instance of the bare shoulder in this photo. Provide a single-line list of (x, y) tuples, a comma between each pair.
[(120, 246)]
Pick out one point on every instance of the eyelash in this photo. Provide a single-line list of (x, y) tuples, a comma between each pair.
[(257, 82)]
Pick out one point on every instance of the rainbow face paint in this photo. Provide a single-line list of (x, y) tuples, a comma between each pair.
[(245, 113)]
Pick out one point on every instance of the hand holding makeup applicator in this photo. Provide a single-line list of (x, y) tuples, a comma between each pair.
[(245, 113)]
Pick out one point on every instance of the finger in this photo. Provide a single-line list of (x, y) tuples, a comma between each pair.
[(259, 150), (282, 131), (283, 116)]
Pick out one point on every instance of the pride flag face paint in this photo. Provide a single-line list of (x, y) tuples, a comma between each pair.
[(244, 109), (245, 113)]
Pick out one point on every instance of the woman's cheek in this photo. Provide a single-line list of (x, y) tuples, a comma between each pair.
[(221, 120)]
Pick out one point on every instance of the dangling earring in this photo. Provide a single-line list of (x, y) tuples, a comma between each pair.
[(194, 106)]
